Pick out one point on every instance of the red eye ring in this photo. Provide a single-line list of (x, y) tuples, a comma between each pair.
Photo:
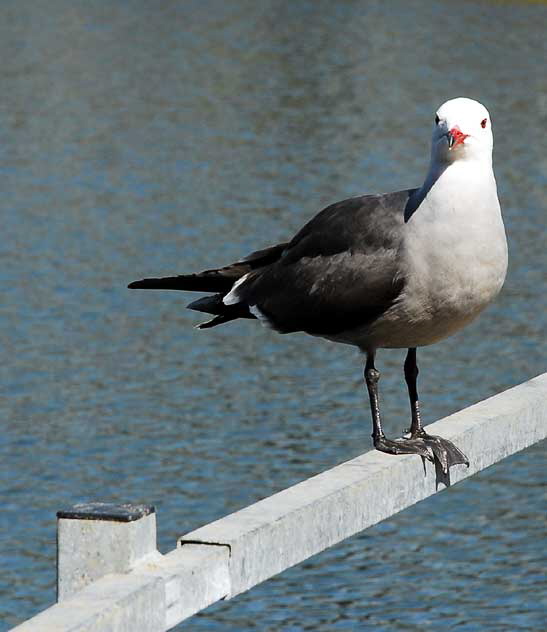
[(483, 123)]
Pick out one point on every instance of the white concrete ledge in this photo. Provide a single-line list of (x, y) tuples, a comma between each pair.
[(155, 596), (299, 522), (233, 554)]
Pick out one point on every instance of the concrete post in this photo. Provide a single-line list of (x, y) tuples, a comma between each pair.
[(94, 539)]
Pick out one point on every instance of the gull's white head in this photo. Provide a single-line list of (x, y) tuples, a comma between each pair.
[(463, 130)]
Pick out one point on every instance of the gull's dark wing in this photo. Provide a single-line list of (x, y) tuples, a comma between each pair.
[(340, 271)]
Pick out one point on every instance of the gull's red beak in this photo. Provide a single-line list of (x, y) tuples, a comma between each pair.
[(455, 137)]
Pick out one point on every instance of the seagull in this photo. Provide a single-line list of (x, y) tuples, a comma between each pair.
[(388, 271)]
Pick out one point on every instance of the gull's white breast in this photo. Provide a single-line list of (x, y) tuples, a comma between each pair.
[(453, 260)]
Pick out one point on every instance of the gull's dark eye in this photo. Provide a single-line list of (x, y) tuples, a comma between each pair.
[(483, 123), (437, 119)]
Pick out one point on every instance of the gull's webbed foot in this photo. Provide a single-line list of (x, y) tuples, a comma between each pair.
[(415, 445), (444, 451)]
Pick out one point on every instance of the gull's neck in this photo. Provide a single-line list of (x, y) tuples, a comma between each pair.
[(470, 169), (465, 183)]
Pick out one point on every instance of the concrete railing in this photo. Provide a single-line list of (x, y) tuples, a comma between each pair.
[(111, 577)]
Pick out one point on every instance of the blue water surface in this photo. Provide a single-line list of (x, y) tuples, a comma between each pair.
[(144, 139)]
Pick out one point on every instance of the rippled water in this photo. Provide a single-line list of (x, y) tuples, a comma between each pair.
[(142, 138)]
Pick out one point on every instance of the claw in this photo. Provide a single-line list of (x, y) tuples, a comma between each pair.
[(404, 446), (446, 453), (435, 449)]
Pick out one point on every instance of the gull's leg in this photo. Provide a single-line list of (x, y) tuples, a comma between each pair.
[(411, 378), (445, 451), (414, 445)]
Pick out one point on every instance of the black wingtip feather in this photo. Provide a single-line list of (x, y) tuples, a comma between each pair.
[(208, 304), (165, 283), (208, 281), (148, 284), (217, 320)]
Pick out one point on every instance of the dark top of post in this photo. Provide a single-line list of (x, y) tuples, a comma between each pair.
[(112, 512)]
